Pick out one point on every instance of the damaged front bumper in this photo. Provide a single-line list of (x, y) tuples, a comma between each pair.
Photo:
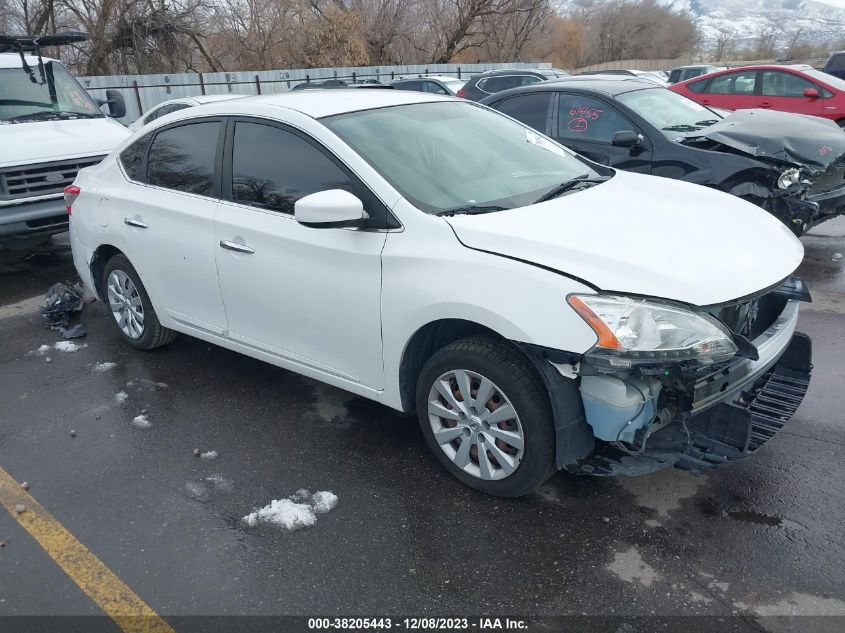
[(638, 419), (725, 414)]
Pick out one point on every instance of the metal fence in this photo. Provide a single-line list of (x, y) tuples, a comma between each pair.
[(142, 92)]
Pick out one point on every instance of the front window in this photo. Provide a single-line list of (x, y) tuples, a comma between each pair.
[(449, 155), (673, 114), (60, 96)]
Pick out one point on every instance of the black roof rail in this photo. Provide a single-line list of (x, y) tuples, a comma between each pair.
[(23, 44)]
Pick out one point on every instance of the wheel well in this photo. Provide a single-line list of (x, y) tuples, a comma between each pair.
[(423, 344), (98, 264)]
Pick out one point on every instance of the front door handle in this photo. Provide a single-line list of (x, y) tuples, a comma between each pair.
[(234, 246), (137, 223), (765, 105)]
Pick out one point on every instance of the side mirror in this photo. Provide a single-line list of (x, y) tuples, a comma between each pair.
[(627, 138), (117, 106), (811, 93), (330, 209)]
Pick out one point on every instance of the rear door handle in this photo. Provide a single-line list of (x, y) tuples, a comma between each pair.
[(765, 105), (234, 246), (137, 223)]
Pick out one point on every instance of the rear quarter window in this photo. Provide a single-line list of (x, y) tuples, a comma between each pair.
[(132, 158), (697, 86)]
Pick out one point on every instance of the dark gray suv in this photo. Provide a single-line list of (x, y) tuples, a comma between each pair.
[(492, 81)]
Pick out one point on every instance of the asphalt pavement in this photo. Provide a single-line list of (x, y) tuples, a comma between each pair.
[(758, 539)]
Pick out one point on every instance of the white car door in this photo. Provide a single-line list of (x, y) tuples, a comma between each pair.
[(168, 222), (305, 295)]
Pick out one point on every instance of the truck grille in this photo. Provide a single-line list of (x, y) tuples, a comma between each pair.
[(17, 183), (831, 179)]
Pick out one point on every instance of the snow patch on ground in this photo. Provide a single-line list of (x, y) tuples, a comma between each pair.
[(121, 397), (209, 455), (298, 511), (141, 421), (62, 346), (104, 367), (68, 346)]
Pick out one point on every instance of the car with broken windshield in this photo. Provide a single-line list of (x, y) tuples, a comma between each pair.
[(50, 128), (537, 311), (790, 165)]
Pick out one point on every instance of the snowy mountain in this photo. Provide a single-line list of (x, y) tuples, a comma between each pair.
[(745, 19)]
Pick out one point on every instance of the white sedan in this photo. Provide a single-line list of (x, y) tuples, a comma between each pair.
[(174, 105), (536, 310)]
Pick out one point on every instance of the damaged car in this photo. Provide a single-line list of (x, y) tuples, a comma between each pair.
[(432, 255), (791, 165)]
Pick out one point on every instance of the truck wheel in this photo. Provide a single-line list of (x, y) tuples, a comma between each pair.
[(487, 417), (130, 305)]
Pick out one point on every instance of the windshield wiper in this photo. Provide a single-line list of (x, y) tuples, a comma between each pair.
[(52, 114), (578, 182), (471, 210), (683, 128)]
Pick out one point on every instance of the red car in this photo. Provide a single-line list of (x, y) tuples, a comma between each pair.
[(798, 88)]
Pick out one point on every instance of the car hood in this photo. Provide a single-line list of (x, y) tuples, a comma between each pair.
[(42, 141), (645, 235), (801, 140)]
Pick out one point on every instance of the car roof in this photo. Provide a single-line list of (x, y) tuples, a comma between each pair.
[(511, 71), (13, 60), (598, 86), (213, 98), (322, 103), (796, 67), (695, 66), (421, 77), (617, 85)]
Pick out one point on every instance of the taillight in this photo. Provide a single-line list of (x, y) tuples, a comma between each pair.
[(71, 193), (461, 93)]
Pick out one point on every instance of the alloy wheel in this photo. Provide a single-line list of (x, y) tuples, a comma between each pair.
[(475, 424), (125, 304)]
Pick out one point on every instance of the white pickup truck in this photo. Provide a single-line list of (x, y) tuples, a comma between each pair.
[(50, 128)]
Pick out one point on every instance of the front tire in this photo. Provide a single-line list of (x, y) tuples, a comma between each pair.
[(130, 305), (487, 417)]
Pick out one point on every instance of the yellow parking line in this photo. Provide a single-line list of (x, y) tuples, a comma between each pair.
[(98, 582)]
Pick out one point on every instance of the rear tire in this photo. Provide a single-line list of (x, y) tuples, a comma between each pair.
[(508, 454), (130, 305)]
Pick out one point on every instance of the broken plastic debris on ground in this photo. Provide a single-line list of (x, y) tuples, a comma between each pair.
[(62, 301), (298, 511), (103, 367), (209, 455), (121, 397)]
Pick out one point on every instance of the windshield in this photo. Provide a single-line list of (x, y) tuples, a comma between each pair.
[(450, 155), (669, 112), (830, 80), (59, 97)]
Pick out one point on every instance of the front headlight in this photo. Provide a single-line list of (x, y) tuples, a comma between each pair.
[(789, 178), (638, 331)]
